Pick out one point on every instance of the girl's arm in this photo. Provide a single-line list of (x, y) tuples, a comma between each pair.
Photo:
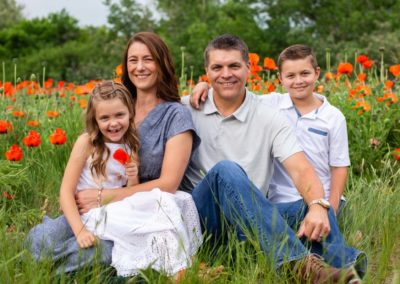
[(73, 170), (338, 183), (176, 158)]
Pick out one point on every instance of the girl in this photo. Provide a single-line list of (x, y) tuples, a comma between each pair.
[(147, 228)]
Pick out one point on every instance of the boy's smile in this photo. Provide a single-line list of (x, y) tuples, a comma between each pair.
[(298, 77)]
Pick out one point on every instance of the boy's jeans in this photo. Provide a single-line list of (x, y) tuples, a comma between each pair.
[(227, 191)]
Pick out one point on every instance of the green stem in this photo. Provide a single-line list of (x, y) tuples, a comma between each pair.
[(44, 75), (328, 59)]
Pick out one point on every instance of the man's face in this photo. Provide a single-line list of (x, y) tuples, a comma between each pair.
[(227, 72)]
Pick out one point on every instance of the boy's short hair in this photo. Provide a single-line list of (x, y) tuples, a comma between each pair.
[(227, 42), (297, 51)]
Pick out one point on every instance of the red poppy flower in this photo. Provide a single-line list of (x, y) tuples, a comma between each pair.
[(395, 70), (33, 123), (8, 196), (396, 154), (32, 139), (368, 64), (345, 68), (14, 153), (362, 58), (118, 70), (389, 84), (83, 103), (269, 64), (361, 77), (5, 126), (52, 113), (121, 156), (58, 137), (18, 113)]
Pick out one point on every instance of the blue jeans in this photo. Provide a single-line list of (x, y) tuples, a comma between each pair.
[(227, 191)]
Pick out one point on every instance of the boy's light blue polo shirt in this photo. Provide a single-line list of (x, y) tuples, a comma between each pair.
[(322, 134), (252, 136)]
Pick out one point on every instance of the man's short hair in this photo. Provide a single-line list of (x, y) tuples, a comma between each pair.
[(295, 52), (227, 42)]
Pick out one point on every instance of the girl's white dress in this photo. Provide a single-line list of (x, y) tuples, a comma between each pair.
[(149, 229)]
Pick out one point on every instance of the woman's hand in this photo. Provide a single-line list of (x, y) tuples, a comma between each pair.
[(86, 239)]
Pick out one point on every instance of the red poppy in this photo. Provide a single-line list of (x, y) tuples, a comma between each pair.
[(362, 58), (52, 113), (5, 126), (121, 156), (118, 70), (395, 70), (58, 137), (269, 64), (14, 153), (345, 68), (204, 78), (396, 154), (8, 196), (368, 64), (33, 123), (83, 103), (32, 139), (389, 84), (18, 113), (361, 77)]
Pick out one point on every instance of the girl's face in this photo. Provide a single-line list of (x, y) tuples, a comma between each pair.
[(142, 68), (113, 119)]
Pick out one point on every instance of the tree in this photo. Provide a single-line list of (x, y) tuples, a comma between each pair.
[(128, 17), (10, 13)]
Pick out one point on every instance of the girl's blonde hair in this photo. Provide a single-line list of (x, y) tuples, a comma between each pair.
[(104, 91)]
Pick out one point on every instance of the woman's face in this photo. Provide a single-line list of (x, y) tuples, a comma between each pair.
[(142, 68)]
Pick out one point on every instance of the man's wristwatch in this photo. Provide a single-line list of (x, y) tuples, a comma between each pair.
[(323, 202)]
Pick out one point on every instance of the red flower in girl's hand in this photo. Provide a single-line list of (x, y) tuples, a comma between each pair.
[(121, 156)]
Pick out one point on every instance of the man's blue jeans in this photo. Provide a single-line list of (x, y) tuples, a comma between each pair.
[(227, 191)]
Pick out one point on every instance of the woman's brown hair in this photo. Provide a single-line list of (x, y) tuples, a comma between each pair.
[(167, 84)]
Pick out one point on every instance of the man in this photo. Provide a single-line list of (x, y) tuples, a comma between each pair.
[(234, 125)]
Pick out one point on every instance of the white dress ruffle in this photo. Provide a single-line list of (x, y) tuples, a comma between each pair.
[(150, 229)]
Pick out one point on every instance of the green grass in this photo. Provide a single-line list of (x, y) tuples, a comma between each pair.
[(370, 221)]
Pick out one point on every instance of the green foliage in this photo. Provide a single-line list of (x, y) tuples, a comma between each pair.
[(128, 17), (10, 13)]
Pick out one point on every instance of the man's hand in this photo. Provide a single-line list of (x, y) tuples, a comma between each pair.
[(199, 94), (86, 239), (86, 200), (315, 225)]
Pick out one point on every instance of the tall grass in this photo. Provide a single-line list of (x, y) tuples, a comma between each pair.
[(370, 221)]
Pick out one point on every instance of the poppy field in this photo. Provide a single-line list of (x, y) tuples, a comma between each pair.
[(40, 119)]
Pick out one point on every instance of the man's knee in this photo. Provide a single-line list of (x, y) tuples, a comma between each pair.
[(227, 169)]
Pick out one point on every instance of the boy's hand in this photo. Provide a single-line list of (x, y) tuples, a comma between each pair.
[(86, 239), (199, 94)]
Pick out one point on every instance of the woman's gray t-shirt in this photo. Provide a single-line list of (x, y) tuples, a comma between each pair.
[(163, 122)]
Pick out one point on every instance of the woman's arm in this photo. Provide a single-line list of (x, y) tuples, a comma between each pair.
[(176, 158), (73, 170), (338, 183)]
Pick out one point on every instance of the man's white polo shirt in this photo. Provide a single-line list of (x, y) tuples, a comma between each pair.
[(252, 136), (321, 133)]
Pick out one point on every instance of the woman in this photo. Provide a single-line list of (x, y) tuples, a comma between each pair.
[(167, 138)]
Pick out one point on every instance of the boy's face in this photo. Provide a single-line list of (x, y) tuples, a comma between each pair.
[(298, 77), (227, 72)]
